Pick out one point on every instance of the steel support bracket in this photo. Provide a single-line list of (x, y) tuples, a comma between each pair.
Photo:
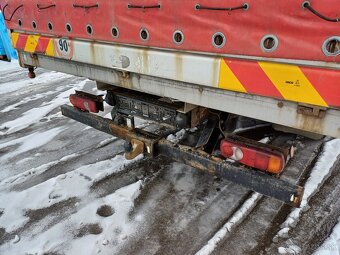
[(318, 112)]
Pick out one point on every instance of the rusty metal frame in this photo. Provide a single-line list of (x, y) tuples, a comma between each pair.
[(265, 184)]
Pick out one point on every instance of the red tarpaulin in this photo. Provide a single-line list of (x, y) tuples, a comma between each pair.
[(288, 29)]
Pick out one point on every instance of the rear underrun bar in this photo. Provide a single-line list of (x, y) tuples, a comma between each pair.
[(262, 183)]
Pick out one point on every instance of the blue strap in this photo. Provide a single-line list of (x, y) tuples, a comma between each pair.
[(5, 43)]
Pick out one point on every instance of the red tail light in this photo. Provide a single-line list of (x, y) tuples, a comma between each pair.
[(87, 102), (259, 158)]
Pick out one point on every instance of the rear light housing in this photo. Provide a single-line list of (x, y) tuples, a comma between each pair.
[(87, 102), (254, 155)]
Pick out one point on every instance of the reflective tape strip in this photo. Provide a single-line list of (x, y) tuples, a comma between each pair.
[(228, 80), (50, 48), (282, 81), (33, 43), (292, 83), (21, 42), (327, 83), (15, 37)]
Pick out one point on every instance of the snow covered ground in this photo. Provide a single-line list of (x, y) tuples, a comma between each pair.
[(332, 244), (95, 224), (318, 175), (67, 189)]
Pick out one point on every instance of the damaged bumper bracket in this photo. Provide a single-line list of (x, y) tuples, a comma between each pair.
[(254, 180)]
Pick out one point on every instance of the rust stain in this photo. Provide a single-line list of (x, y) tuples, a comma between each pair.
[(137, 149), (216, 71), (129, 135), (145, 61), (280, 104), (298, 196), (179, 66), (93, 57), (310, 123), (125, 80), (35, 59), (196, 164), (22, 59)]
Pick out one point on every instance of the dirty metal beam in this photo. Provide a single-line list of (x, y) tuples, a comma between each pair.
[(257, 181)]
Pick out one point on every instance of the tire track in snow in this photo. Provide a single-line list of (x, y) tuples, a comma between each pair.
[(33, 116), (182, 204), (42, 173)]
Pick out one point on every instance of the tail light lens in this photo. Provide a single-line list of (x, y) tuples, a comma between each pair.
[(87, 102), (259, 158)]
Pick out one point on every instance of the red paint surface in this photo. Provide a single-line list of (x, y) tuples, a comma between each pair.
[(300, 33), (21, 43), (326, 82), (42, 45)]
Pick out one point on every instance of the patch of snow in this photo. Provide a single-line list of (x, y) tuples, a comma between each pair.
[(292, 249), (36, 114), (318, 175), (265, 140), (55, 190), (331, 245), (30, 142), (16, 239), (106, 142), (87, 128), (36, 171), (40, 79), (118, 160), (107, 115), (29, 99), (5, 67), (236, 219), (282, 233), (141, 123), (176, 138), (110, 234), (24, 176)]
